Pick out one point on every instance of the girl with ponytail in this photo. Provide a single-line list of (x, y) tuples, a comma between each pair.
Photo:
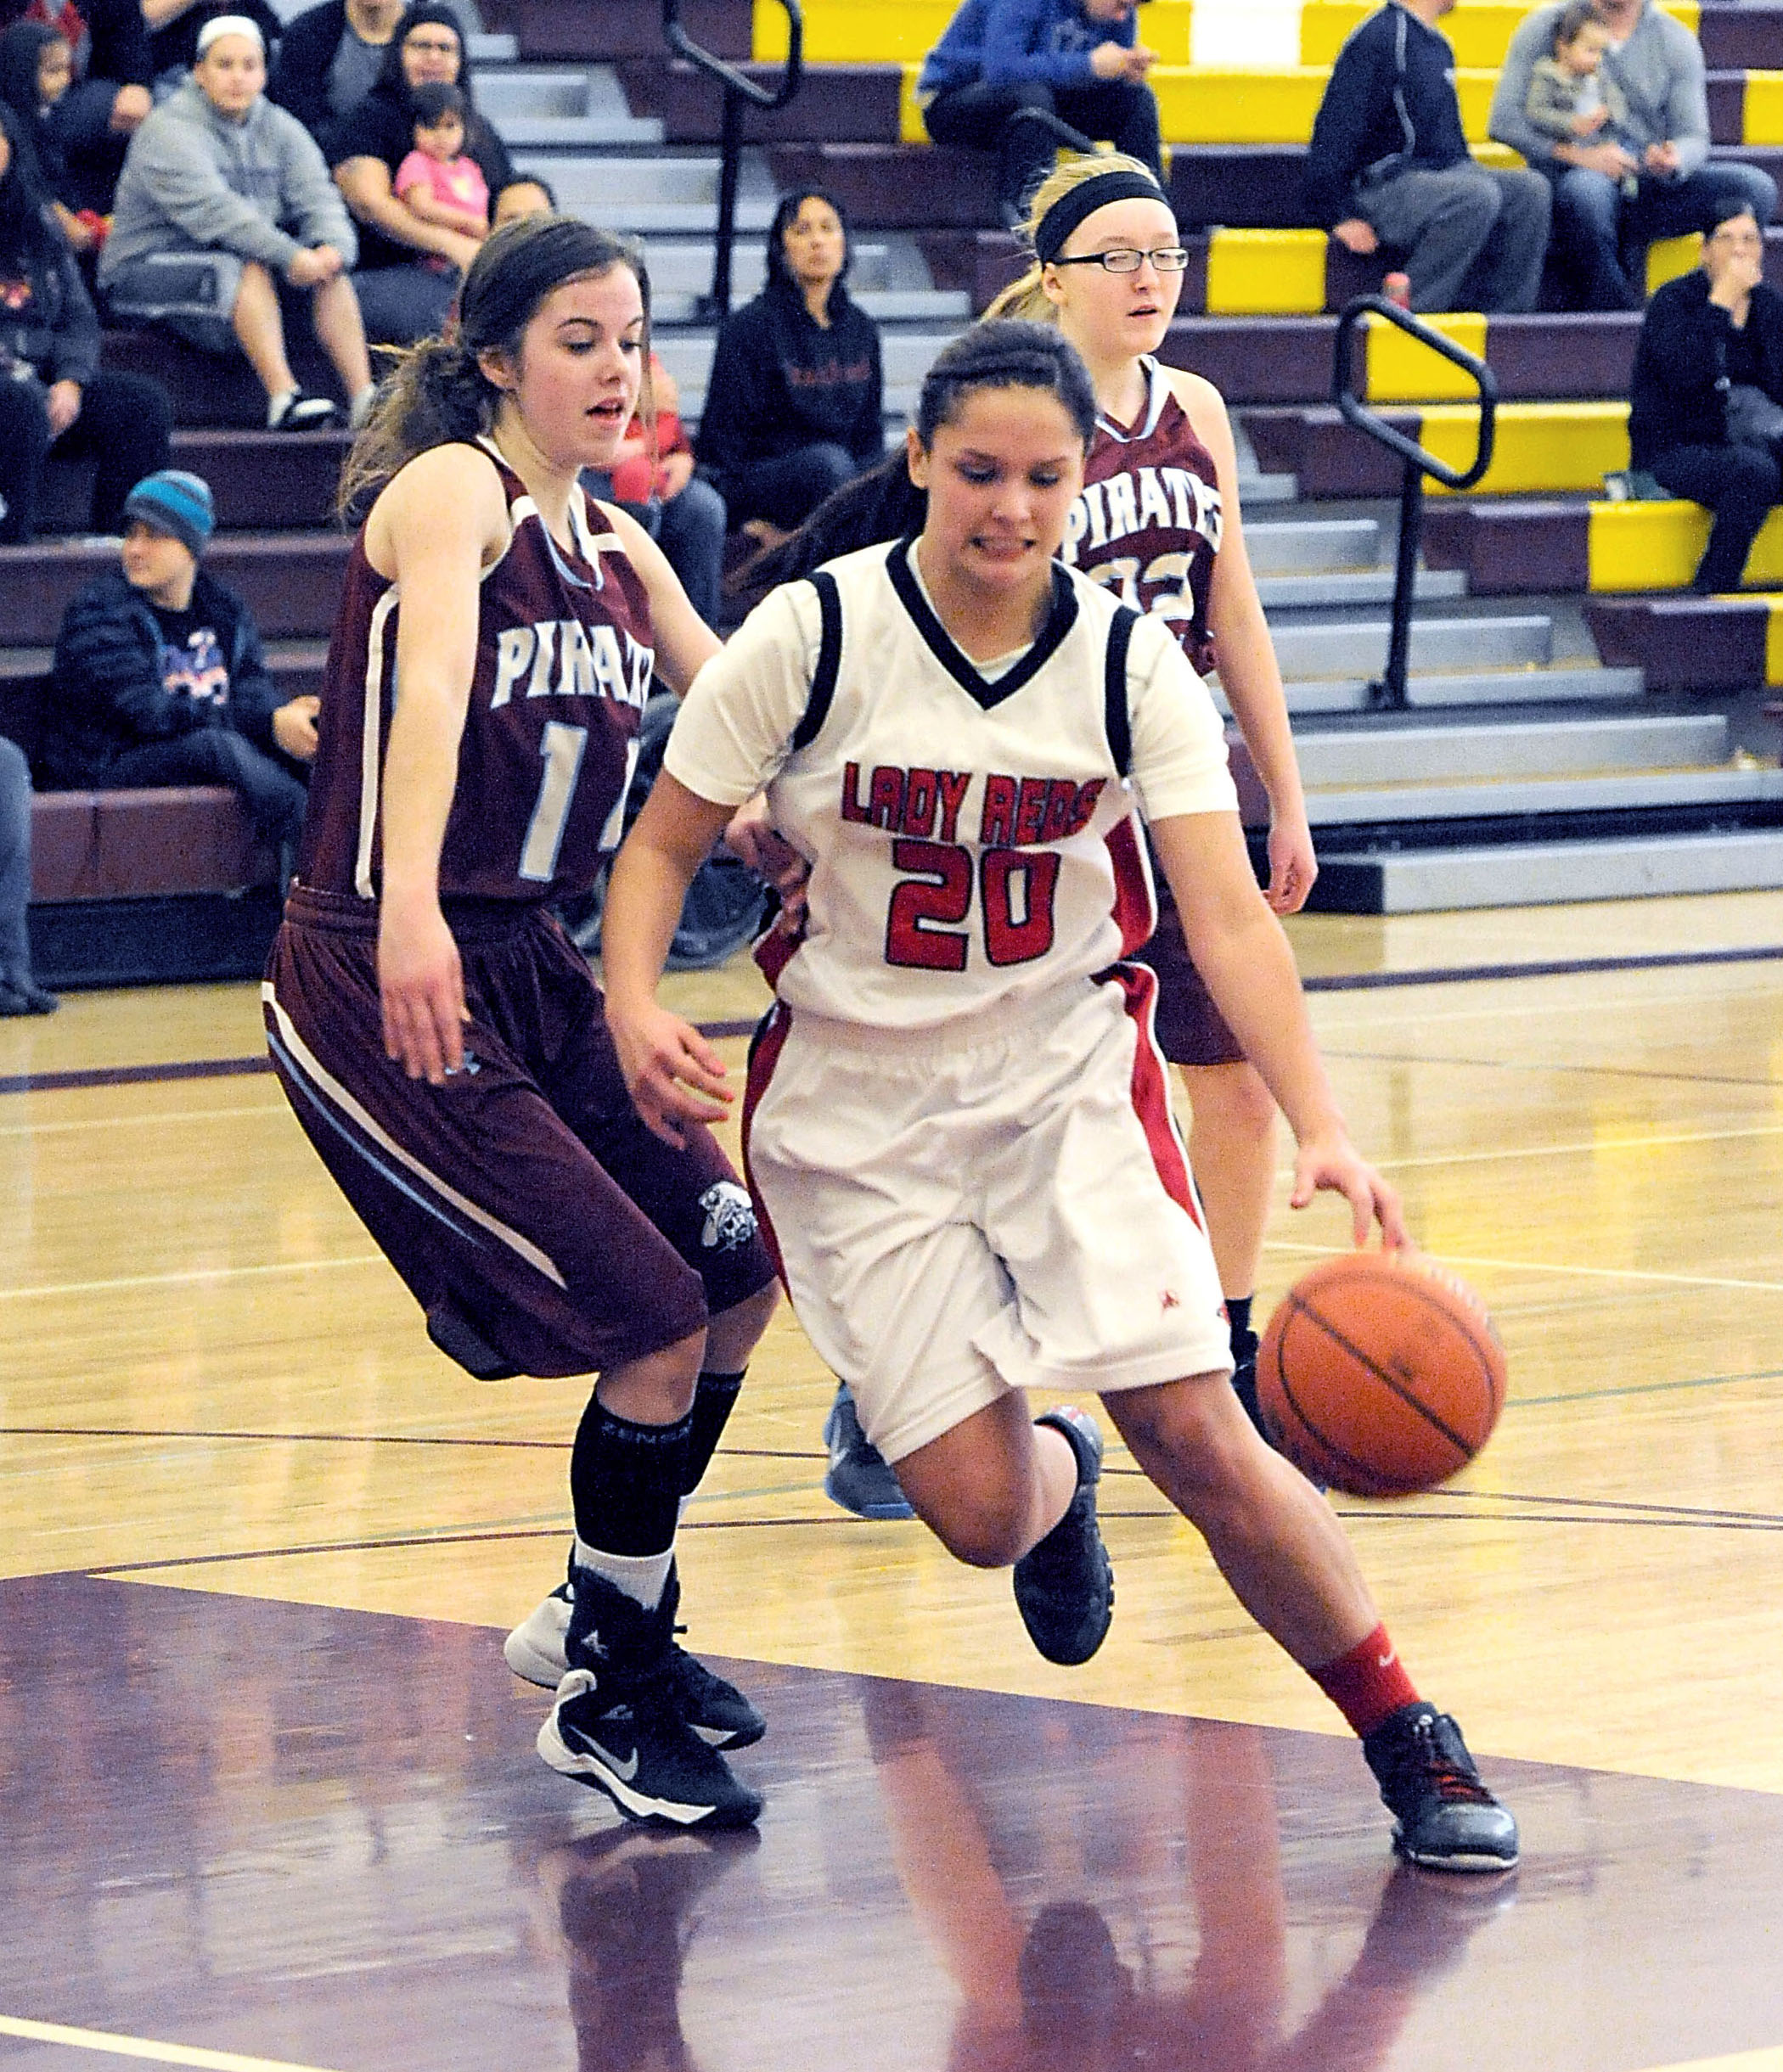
[(441, 1039), (1159, 522)]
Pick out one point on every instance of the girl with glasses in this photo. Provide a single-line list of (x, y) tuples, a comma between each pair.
[(1158, 522)]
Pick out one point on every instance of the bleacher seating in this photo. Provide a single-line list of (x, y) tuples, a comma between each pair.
[(161, 884)]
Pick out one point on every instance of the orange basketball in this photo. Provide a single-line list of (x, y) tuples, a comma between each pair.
[(1380, 1373)]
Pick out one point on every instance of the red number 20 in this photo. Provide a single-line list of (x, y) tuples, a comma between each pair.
[(922, 930)]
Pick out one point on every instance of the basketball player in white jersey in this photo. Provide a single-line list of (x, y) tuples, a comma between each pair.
[(958, 1126), (1159, 521)]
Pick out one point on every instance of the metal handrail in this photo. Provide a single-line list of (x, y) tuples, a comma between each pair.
[(1388, 690), (739, 89)]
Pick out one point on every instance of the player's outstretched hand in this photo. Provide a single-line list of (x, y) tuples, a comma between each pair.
[(421, 986), (1333, 1162), (673, 1075)]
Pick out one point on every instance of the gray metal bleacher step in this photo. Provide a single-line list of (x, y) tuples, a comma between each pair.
[(1393, 755), (1334, 587), (1643, 791), (645, 195), (1298, 547), (488, 48), (561, 106), (1541, 873), (1358, 648)]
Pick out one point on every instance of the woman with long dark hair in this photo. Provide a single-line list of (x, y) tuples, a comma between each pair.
[(793, 406), (408, 270), (440, 1037), (57, 400)]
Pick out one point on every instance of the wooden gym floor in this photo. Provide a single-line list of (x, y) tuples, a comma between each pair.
[(269, 1793)]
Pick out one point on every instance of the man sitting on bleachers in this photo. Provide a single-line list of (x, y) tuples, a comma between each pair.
[(1601, 233), (999, 62), (160, 677), (1389, 165)]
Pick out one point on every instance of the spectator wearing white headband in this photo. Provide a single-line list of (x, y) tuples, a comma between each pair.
[(199, 240)]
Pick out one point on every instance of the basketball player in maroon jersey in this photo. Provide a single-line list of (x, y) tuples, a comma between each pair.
[(439, 1037), (1159, 522)]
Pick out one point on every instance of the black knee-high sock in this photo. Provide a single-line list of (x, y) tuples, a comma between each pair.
[(1238, 1316), (626, 1480), (714, 1400)]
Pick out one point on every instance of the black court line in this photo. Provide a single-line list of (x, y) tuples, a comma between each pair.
[(1552, 968), (1335, 982)]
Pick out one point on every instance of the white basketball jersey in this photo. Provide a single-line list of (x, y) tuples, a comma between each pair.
[(971, 837)]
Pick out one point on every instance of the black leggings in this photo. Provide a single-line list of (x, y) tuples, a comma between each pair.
[(124, 423), (1741, 485), (977, 118)]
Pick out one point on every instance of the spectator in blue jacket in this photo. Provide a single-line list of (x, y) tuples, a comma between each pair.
[(1389, 165), (1000, 61), (160, 677)]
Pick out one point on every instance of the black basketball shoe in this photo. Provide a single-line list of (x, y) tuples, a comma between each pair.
[(1444, 1817), (717, 1711), (1064, 1585), (617, 1722), (859, 1478)]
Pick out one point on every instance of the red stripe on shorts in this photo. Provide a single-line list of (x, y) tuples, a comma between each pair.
[(764, 1054), (1152, 1088)]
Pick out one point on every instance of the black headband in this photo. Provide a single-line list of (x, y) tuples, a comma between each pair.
[(1084, 199)]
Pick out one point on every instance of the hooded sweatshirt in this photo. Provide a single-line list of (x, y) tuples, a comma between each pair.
[(195, 181), (1660, 70)]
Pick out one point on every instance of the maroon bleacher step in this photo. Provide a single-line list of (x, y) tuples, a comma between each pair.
[(1513, 545), (261, 481), (894, 186), (1684, 643), (291, 581), (836, 104), (614, 29)]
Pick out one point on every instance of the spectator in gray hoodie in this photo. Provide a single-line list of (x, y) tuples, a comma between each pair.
[(226, 218), (1601, 233)]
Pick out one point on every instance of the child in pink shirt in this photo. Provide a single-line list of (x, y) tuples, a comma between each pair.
[(436, 181)]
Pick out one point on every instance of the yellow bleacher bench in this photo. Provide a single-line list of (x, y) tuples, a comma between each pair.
[(1479, 30), (903, 31)]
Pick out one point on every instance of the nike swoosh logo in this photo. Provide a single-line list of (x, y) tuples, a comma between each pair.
[(625, 1771)]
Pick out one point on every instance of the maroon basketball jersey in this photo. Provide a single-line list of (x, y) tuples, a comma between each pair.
[(563, 668), (1148, 522)]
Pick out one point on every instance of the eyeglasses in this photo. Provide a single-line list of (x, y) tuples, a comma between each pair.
[(1123, 259), (439, 49)]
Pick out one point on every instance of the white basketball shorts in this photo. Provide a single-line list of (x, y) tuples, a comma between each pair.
[(1001, 1205)]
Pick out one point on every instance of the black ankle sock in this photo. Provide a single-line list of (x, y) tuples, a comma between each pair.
[(626, 1480), (1238, 1316), (714, 1400)]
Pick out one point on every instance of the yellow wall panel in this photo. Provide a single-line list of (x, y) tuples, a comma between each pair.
[(1400, 370), (1265, 272), (1773, 642), (1668, 257), (1479, 30), (1537, 448), (903, 32), (1762, 116), (1206, 104), (911, 126), (1645, 546)]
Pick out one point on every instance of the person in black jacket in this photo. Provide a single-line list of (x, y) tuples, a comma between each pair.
[(793, 405), (1389, 165), (401, 297), (95, 119), (330, 58), (1706, 413), (160, 677), (52, 396)]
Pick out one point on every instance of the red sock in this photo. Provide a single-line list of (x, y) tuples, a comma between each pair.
[(1367, 1683)]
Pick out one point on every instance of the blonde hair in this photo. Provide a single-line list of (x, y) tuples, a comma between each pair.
[(1027, 298)]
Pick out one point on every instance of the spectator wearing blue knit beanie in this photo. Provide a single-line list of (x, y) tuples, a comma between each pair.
[(159, 676)]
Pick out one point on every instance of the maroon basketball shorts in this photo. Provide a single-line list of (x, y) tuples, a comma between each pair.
[(1190, 1029), (540, 1225)]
